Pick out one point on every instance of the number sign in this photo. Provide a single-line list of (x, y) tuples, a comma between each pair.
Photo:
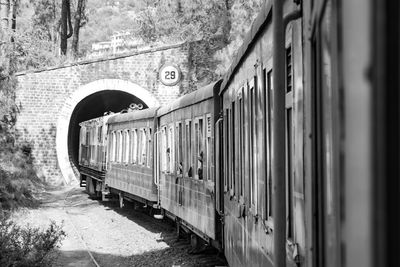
[(170, 75)]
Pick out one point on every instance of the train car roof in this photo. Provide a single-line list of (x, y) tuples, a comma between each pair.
[(95, 121), (261, 19), (133, 115), (192, 98)]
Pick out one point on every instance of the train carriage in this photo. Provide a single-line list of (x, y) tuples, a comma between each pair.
[(93, 153), (284, 163), (186, 161), (130, 164), (246, 139)]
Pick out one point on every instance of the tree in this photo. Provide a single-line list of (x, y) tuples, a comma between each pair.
[(80, 21), (46, 19), (66, 26)]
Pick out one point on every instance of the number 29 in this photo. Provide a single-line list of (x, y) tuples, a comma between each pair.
[(170, 75)]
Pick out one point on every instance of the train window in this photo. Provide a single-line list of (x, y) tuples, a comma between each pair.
[(209, 149), (149, 149), (241, 146), (171, 153), (233, 150), (139, 147), (130, 146), (289, 144), (89, 137), (289, 173), (226, 147), (100, 132), (164, 149), (196, 141), (127, 146), (113, 146), (268, 123), (123, 137), (179, 148), (236, 129), (123, 146), (119, 152), (189, 148), (289, 83), (143, 146), (200, 155), (134, 146), (251, 149), (198, 148), (108, 147)]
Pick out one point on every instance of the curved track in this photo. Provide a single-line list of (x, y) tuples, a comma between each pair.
[(111, 236)]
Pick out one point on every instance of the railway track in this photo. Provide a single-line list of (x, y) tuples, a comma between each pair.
[(176, 252), (77, 232)]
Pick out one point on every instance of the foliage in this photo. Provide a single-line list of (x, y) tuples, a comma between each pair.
[(45, 18), (28, 246), (220, 24), (18, 179), (213, 25), (33, 50), (104, 19)]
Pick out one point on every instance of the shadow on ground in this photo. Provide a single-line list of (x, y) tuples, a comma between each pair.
[(163, 257)]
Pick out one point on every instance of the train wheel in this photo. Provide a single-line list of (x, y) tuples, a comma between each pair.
[(178, 230), (198, 245), (121, 200), (90, 187), (98, 186)]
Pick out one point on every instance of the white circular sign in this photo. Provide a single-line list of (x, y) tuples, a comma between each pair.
[(170, 75)]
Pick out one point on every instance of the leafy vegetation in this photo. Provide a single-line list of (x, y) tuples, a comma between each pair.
[(18, 179), (28, 246), (21, 245), (219, 24)]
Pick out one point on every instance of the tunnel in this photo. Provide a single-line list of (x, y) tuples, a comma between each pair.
[(94, 106)]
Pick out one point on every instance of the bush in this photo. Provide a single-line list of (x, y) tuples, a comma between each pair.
[(28, 246), (18, 178)]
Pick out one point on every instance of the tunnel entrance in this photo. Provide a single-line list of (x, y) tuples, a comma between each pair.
[(94, 106)]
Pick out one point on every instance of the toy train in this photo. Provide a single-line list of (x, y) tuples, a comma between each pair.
[(276, 163)]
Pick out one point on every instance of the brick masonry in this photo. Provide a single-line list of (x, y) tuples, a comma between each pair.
[(47, 97)]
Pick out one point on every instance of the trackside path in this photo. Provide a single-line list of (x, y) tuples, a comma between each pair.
[(102, 234)]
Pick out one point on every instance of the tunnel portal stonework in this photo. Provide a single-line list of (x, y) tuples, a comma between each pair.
[(47, 99)]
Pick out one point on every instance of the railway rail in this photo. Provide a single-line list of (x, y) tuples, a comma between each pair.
[(179, 251)]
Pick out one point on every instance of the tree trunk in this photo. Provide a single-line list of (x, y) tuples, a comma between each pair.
[(65, 26), (4, 37), (80, 9), (4, 12), (63, 44), (227, 22), (13, 17), (12, 65)]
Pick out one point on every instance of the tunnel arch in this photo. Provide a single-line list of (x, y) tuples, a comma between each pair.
[(90, 92)]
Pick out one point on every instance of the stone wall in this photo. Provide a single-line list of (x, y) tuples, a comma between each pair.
[(42, 95)]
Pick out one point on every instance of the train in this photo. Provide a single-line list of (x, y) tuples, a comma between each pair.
[(285, 161)]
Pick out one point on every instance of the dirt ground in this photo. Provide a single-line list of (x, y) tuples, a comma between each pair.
[(102, 234)]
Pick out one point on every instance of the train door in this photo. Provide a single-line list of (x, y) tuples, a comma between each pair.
[(326, 129), (219, 181)]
